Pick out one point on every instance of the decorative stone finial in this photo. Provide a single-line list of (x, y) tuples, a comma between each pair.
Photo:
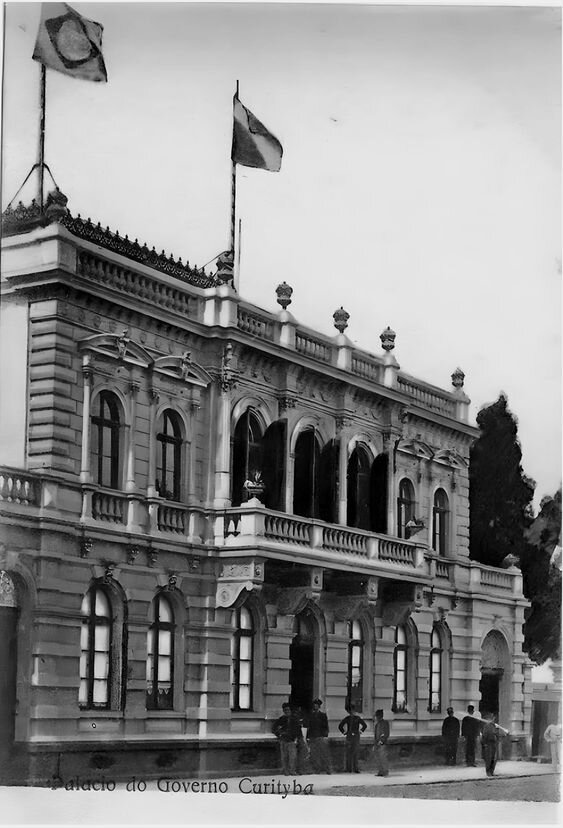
[(388, 339), (341, 318), (284, 293), (225, 262), (458, 378), (55, 205)]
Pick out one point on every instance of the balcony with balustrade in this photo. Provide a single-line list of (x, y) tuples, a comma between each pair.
[(249, 531)]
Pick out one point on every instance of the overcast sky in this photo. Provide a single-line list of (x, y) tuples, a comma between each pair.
[(420, 184)]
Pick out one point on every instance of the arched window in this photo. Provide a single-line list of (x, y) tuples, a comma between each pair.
[(242, 659), (400, 670), (359, 489), (355, 664), (169, 457), (440, 515), (95, 647), (405, 507), (435, 690), (306, 477), (105, 438), (247, 455), (160, 656)]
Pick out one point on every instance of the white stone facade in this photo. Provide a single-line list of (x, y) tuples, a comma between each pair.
[(338, 431)]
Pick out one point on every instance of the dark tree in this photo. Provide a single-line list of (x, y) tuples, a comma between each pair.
[(499, 493), (541, 574)]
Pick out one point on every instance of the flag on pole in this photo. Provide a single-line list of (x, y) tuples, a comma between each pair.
[(69, 43), (253, 145)]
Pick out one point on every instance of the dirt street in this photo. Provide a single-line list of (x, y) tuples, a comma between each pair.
[(526, 788)]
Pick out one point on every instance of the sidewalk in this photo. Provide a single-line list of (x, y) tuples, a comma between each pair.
[(400, 776)]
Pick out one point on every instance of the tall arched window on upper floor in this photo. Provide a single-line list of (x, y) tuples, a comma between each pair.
[(440, 519), (359, 489), (160, 655), (436, 673), (242, 659), (355, 665), (306, 477), (273, 465), (379, 477), (247, 455), (105, 440), (95, 646), (169, 456), (405, 507)]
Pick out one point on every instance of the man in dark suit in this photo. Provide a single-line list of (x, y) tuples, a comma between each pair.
[(470, 730), (450, 735), (287, 730), (317, 738), (381, 735), (352, 726)]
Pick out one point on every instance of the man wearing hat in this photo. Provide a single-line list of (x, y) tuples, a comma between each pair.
[(317, 739), (381, 734)]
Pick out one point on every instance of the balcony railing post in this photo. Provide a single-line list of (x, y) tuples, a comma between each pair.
[(516, 582), (475, 577), (373, 548), (152, 506), (86, 505), (317, 536), (135, 518), (252, 521)]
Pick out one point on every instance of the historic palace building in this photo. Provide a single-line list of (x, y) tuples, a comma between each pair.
[(208, 509)]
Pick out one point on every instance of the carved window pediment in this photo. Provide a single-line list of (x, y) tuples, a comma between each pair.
[(121, 347), (416, 448), (117, 346), (450, 458), (182, 368)]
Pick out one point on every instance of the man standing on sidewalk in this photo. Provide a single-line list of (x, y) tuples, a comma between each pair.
[(470, 729), (287, 730), (450, 735), (490, 735), (317, 737), (552, 736), (352, 726), (381, 734)]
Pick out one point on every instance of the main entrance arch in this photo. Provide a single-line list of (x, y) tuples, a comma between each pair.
[(494, 685), (303, 654)]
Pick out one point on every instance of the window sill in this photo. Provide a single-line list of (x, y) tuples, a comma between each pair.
[(100, 713)]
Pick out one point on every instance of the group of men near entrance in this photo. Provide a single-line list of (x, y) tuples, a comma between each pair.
[(295, 748), (471, 730)]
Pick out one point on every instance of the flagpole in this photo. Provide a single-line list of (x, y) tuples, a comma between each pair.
[(41, 151), (233, 193), (237, 268)]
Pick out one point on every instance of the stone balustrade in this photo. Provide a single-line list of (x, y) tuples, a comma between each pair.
[(255, 324), (249, 526), (254, 525), (109, 506), (428, 397), (172, 518), (18, 487)]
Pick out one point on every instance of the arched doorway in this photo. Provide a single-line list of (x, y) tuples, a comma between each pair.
[(9, 608), (494, 685), (302, 654)]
